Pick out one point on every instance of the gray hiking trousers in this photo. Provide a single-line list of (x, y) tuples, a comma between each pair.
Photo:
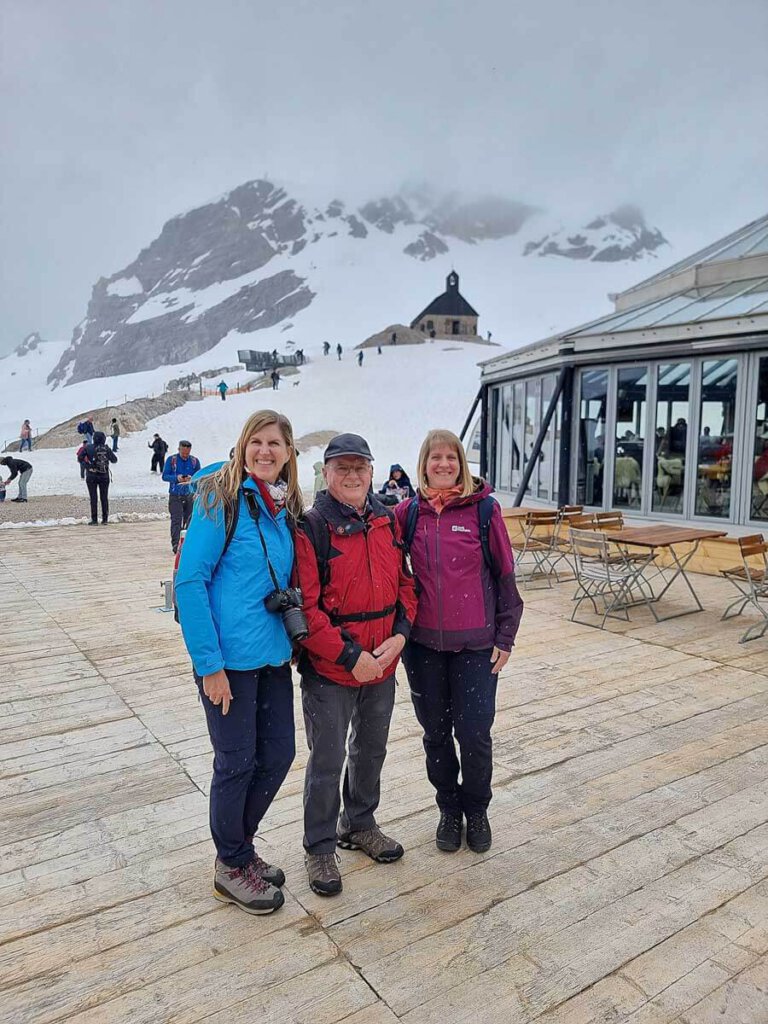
[(330, 712)]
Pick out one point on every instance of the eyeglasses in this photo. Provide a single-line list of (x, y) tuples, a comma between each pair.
[(349, 470)]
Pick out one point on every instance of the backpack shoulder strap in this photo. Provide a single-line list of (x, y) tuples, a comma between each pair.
[(231, 516), (411, 518), (484, 513), (315, 526)]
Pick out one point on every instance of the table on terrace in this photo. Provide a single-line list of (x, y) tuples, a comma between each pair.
[(668, 538)]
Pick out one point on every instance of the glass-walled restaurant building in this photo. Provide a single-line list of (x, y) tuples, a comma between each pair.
[(660, 409)]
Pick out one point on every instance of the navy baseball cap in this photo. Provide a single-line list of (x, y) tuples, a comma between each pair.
[(347, 444)]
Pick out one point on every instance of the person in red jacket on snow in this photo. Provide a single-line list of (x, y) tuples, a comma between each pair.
[(360, 601)]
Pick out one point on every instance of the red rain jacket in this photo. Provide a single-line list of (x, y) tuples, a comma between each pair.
[(366, 575)]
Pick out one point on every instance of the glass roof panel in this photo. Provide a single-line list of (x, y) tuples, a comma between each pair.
[(751, 237), (706, 305), (735, 298), (751, 245)]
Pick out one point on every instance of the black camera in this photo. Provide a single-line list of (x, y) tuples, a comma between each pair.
[(288, 604)]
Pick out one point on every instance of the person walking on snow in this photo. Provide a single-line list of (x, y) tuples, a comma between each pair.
[(467, 620), (326, 347), (240, 649), (359, 601), (275, 378), (114, 431), (21, 469), (86, 428), (223, 389), (25, 437), (177, 473), (96, 457), (360, 358), (339, 350), (159, 448)]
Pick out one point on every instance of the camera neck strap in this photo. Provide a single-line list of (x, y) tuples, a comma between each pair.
[(255, 513)]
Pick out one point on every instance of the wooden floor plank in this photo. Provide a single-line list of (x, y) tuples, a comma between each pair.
[(626, 883)]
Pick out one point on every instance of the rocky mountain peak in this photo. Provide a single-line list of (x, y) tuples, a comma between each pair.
[(249, 260)]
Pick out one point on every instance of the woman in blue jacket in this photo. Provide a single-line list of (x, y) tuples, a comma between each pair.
[(240, 651)]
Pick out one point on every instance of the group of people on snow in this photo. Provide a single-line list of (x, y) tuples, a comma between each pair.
[(346, 588)]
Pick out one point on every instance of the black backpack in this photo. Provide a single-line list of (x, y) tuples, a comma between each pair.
[(484, 513), (316, 527), (231, 517), (98, 460)]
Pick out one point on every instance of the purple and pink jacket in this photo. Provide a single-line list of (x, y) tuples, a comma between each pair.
[(462, 606)]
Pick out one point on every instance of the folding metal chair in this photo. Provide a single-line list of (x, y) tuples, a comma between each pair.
[(609, 520), (540, 532), (600, 577), (752, 583)]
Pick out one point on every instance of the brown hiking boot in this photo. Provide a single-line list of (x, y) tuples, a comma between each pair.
[(373, 842), (323, 873), (246, 889)]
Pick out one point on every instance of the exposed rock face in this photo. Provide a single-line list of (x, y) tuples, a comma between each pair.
[(620, 235), (30, 344), (426, 247), (246, 262)]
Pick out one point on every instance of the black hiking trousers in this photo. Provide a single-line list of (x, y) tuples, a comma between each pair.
[(98, 484)]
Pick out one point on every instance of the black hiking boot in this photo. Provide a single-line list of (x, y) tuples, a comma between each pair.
[(448, 835), (479, 835)]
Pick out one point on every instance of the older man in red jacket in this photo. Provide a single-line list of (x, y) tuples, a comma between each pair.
[(360, 601)]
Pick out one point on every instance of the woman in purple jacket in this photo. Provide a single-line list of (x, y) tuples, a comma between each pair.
[(468, 615)]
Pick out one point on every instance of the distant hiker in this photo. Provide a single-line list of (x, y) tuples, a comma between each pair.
[(432, 334), (159, 448), (394, 337), (360, 358), (300, 356), (25, 437), (319, 479), (114, 431), (378, 349), (339, 350), (398, 483), (21, 469), (96, 457), (223, 389), (489, 335), (326, 347), (86, 428), (178, 472), (275, 378)]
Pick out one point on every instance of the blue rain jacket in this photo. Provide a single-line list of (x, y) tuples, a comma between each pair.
[(221, 600)]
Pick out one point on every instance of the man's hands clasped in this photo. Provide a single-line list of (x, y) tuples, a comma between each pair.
[(370, 667)]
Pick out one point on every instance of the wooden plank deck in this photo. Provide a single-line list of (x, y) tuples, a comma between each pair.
[(628, 879)]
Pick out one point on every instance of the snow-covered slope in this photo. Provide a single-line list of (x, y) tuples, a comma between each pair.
[(258, 262), (392, 399)]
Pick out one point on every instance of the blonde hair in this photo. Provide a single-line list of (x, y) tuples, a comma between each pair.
[(220, 489), (434, 437)]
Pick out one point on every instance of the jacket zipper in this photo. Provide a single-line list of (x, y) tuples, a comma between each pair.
[(439, 590)]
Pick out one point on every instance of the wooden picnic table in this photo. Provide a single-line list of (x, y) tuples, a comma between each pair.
[(521, 511), (670, 537)]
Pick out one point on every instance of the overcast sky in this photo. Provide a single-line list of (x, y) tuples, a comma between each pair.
[(117, 115)]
